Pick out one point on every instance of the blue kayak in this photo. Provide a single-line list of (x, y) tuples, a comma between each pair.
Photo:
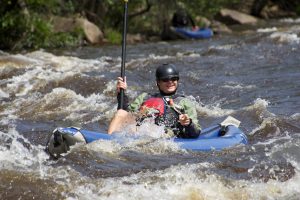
[(216, 137), (187, 33)]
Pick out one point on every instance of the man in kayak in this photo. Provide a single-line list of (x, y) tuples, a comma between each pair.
[(168, 108), (181, 19)]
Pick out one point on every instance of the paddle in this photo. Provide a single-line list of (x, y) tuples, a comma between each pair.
[(123, 52), (230, 121)]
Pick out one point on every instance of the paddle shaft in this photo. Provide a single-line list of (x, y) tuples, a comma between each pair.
[(123, 51)]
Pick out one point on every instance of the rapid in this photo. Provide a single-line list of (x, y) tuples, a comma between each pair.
[(253, 76)]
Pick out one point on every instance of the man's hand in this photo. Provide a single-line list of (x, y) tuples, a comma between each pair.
[(184, 120), (121, 84), (195, 28)]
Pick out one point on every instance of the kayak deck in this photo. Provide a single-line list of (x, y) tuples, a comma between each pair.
[(212, 138)]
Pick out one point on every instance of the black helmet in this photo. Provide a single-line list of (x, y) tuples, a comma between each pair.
[(166, 71)]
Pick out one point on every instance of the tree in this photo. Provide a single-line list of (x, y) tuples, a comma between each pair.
[(25, 24)]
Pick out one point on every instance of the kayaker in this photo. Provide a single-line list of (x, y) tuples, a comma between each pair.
[(174, 111), (181, 19)]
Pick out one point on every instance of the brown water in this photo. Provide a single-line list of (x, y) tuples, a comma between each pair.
[(252, 76)]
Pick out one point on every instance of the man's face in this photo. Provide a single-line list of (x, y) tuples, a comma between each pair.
[(168, 85)]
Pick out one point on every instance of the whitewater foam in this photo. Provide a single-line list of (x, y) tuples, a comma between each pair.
[(17, 153), (285, 37)]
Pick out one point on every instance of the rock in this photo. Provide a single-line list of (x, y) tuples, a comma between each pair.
[(258, 6), (92, 33), (219, 27), (202, 21), (274, 11), (230, 17), (250, 7), (62, 24), (134, 38)]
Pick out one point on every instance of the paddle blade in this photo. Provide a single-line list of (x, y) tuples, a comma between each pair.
[(231, 121)]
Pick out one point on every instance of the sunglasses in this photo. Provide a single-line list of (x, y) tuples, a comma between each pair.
[(169, 79)]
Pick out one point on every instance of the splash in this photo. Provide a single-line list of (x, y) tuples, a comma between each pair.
[(260, 108), (16, 153), (147, 138), (41, 68), (290, 20), (184, 182), (3, 94), (238, 86), (226, 47), (285, 37), (267, 30), (296, 116), (61, 103), (67, 63), (213, 110), (261, 103), (267, 125)]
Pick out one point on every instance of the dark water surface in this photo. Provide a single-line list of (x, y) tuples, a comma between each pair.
[(252, 76)]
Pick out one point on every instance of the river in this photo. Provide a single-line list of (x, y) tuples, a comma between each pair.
[(253, 76)]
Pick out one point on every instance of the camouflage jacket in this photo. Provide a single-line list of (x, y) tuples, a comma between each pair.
[(170, 117)]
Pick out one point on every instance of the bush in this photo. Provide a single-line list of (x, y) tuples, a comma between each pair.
[(26, 26), (113, 36)]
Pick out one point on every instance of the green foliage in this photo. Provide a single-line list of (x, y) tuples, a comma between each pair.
[(298, 9), (26, 26), (42, 36), (161, 11), (205, 8), (12, 26), (113, 36)]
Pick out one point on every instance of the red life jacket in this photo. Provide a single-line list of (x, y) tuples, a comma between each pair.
[(154, 103)]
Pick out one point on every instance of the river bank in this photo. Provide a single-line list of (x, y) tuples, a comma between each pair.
[(41, 24)]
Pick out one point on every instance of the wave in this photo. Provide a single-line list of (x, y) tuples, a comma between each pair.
[(282, 37), (63, 104), (17, 153)]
